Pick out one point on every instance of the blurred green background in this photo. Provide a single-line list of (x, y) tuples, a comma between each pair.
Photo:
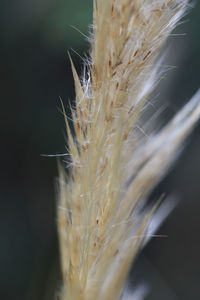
[(35, 37)]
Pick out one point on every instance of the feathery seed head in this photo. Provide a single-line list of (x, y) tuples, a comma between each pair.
[(113, 170)]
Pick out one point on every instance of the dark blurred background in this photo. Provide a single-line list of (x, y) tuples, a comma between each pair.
[(35, 37)]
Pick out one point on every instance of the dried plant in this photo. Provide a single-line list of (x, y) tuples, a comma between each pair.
[(113, 168)]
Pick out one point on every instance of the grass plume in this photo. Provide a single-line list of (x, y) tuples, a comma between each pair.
[(113, 169)]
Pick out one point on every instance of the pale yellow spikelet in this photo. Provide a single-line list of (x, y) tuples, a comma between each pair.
[(112, 169)]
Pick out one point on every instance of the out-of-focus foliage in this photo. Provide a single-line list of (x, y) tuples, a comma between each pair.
[(52, 19)]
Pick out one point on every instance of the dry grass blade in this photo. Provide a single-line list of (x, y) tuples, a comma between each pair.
[(113, 170)]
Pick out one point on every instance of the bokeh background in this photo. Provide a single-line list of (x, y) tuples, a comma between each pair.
[(35, 37)]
